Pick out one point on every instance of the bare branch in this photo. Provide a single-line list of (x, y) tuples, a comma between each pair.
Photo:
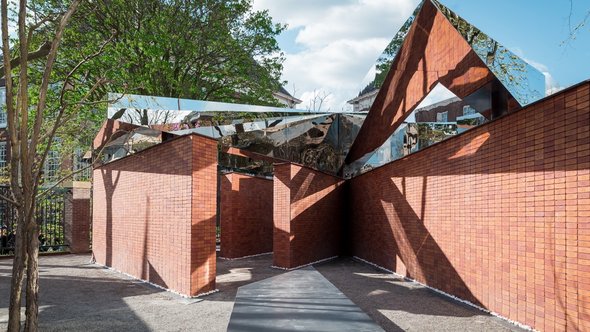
[(41, 52), (57, 122), (573, 30), (9, 200), (93, 164), (22, 101), (47, 74), (60, 181), (77, 66), (11, 113)]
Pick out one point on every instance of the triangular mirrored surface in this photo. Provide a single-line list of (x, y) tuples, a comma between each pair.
[(525, 83), (440, 115)]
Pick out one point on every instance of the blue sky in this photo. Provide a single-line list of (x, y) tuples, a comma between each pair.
[(330, 44)]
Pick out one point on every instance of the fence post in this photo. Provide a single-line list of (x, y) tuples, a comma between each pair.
[(77, 217)]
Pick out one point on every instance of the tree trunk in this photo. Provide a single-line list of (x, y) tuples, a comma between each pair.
[(32, 247), (18, 270)]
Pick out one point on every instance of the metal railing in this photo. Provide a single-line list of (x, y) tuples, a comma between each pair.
[(50, 215)]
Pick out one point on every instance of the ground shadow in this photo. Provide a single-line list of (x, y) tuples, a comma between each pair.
[(399, 305)]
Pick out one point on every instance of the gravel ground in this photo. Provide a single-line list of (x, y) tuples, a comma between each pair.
[(77, 295)]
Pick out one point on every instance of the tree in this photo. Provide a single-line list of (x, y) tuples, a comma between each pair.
[(44, 94), (208, 50), (317, 100), (211, 50)]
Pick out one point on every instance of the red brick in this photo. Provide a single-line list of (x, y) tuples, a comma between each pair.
[(476, 223)]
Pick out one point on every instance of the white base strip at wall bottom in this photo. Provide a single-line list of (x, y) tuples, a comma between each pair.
[(446, 294)]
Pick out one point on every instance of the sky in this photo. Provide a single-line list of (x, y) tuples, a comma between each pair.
[(330, 45)]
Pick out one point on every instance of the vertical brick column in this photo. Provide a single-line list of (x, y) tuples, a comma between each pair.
[(204, 210), (308, 219), (77, 218), (144, 223), (282, 216)]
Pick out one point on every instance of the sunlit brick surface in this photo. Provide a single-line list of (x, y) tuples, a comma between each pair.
[(499, 216), (77, 220), (307, 215), (154, 214)]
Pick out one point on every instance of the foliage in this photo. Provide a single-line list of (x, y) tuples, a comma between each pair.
[(208, 50), (211, 50)]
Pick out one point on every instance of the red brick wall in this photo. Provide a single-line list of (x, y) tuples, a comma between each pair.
[(307, 215), (245, 215), (154, 219), (77, 219), (499, 216)]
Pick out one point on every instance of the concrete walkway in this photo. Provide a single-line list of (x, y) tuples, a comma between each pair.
[(77, 295), (300, 300)]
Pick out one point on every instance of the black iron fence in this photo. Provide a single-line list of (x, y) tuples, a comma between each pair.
[(50, 218)]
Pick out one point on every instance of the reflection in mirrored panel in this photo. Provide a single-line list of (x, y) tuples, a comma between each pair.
[(320, 143), (524, 82), (440, 116), (323, 140), (317, 140), (217, 131), (234, 163), (158, 110), (129, 142), (376, 75)]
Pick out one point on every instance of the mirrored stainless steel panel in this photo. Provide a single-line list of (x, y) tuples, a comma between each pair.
[(522, 80)]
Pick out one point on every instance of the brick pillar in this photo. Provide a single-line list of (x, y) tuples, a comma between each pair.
[(77, 218), (308, 224), (282, 216), (204, 215)]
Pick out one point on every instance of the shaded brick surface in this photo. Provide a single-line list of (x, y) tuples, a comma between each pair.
[(307, 215), (77, 220), (246, 215), (154, 214), (499, 216)]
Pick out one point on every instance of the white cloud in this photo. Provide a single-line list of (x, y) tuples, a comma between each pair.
[(339, 43), (551, 85)]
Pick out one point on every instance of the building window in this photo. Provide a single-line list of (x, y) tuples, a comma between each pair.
[(3, 161), (82, 166), (442, 117), (52, 166), (2, 108)]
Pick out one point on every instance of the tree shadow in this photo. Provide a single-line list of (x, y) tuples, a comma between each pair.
[(85, 301), (397, 304)]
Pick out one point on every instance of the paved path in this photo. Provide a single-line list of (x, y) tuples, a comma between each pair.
[(77, 295), (300, 300)]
